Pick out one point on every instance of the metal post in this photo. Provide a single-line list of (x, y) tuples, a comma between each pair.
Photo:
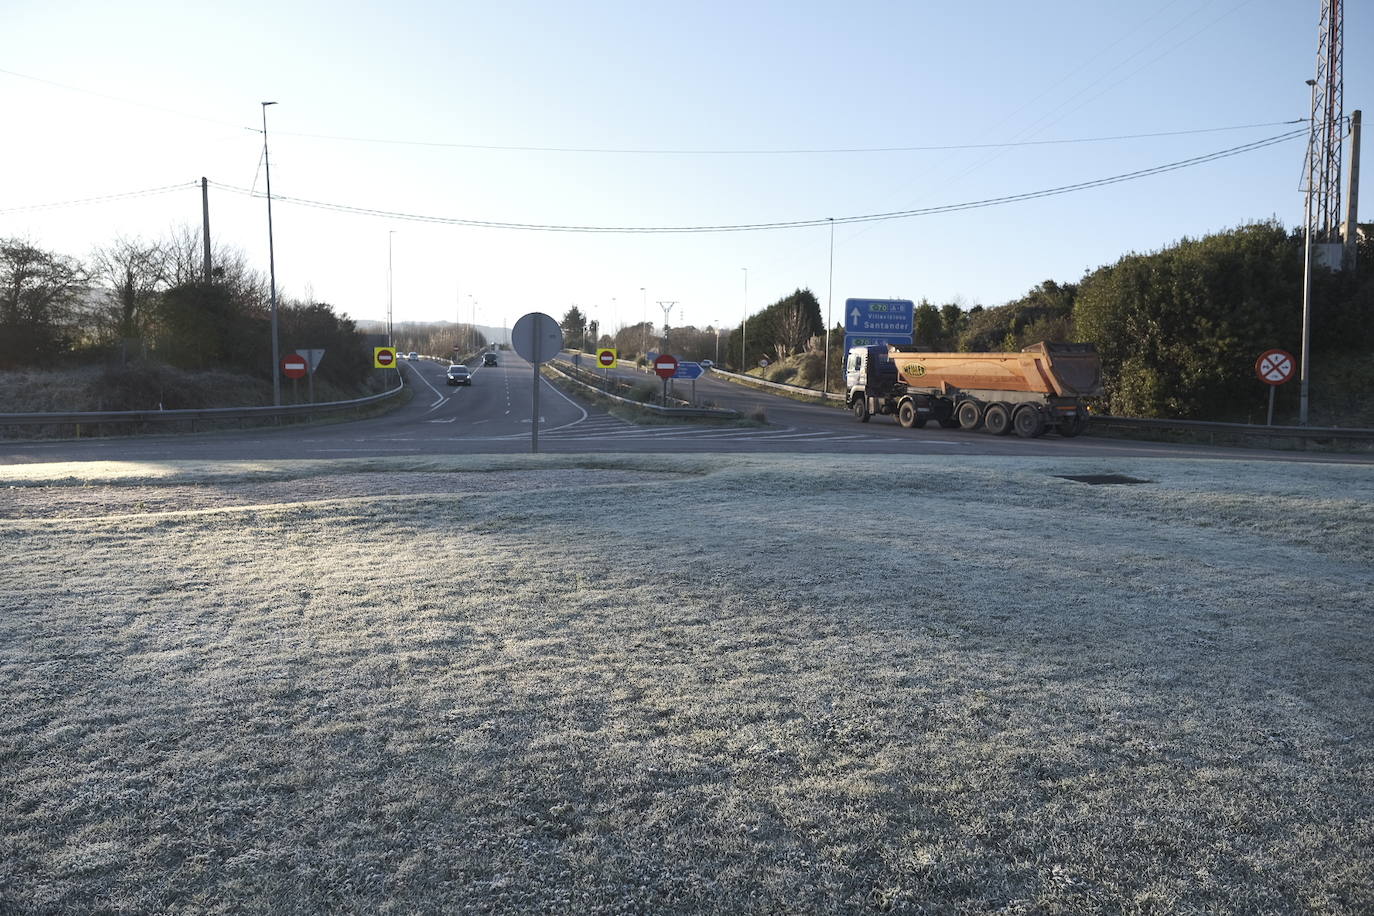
[(829, 298), (205, 220), (1307, 275), (643, 323), (1270, 421), (534, 420), (744, 327), (271, 264)]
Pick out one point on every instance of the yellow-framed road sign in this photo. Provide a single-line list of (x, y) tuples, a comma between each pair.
[(384, 357), (605, 357)]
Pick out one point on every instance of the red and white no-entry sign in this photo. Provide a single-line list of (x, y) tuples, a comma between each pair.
[(1274, 367), (665, 366), (294, 366), (605, 357)]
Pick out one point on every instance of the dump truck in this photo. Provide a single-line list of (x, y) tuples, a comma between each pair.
[(1036, 390)]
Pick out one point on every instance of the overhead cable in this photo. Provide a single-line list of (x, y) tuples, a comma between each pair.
[(787, 224)]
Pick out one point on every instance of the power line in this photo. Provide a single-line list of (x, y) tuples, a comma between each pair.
[(788, 224), (148, 192), (785, 152)]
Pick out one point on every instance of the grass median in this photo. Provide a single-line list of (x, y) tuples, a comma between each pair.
[(686, 684)]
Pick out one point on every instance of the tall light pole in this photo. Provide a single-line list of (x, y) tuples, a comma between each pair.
[(271, 266), (744, 328), (643, 323), (829, 298), (1307, 267), (717, 341), (389, 234)]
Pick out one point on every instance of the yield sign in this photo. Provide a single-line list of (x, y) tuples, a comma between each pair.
[(1274, 367), (665, 366)]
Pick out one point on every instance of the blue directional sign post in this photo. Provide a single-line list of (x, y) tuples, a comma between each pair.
[(878, 321), (690, 372)]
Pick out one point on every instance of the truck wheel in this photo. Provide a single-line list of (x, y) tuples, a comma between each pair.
[(1072, 426), (969, 414), (906, 415), (997, 419), (1029, 421), (861, 409)]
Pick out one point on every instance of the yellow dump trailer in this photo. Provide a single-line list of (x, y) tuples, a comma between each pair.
[(1033, 391)]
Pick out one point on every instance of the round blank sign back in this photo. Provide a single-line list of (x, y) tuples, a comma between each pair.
[(536, 337)]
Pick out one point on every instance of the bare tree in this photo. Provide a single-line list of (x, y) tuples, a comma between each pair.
[(38, 295), (792, 328), (229, 266), (136, 271)]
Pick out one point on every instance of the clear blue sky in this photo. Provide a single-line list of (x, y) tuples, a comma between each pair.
[(658, 76)]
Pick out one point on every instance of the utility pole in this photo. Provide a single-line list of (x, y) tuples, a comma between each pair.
[(667, 315), (205, 222), (1352, 197), (744, 328), (829, 298), (271, 265), (643, 324)]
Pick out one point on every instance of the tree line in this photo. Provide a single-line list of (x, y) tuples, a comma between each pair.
[(137, 300)]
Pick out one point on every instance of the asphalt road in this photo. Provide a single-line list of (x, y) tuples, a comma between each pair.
[(493, 416)]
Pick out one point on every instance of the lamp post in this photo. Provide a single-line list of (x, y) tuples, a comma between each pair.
[(744, 328), (389, 234), (1307, 269), (829, 298), (717, 341), (643, 323), (271, 265)]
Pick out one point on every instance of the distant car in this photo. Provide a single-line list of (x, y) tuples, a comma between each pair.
[(488, 359), (707, 364), (459, 375), (413, 355)]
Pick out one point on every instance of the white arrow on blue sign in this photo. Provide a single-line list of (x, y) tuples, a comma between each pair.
[(879, 317), (691, 371)]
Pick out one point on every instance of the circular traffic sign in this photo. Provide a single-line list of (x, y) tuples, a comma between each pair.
[(536, 337), (294, 366), (665, 366), (386, 357), (605, 358), (1274, 367)]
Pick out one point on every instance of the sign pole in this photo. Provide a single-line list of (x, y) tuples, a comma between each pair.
[(1271, 406), (534, 421)]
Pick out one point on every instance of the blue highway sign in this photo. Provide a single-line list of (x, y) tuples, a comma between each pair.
[(691, 371), (878, 317)]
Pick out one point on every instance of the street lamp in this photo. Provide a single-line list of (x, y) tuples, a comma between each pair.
[(271, 265), (1307, 267), (389, 234), (643, 323), (829, 298), (744, 327), (717, 341)]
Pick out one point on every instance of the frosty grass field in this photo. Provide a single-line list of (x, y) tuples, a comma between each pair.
[(701, 684)]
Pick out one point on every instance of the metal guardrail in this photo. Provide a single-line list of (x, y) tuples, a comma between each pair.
[(718, 412), (191, 416), (1215, 431), (795, 389)]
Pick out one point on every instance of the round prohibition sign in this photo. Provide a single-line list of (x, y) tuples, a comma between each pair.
[(1274, 367)]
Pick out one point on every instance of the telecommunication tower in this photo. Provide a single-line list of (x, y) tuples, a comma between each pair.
[(1327, 131)]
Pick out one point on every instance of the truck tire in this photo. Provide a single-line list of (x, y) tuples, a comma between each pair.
[(860, 408), (969, 414), (997, 419), (1028, 421), (1072, 426), (908, 417)]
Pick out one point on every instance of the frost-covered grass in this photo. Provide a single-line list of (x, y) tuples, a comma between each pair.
[(686, 684)]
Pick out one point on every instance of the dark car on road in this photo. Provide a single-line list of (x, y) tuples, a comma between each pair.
[(459, 375), (488, 359)]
